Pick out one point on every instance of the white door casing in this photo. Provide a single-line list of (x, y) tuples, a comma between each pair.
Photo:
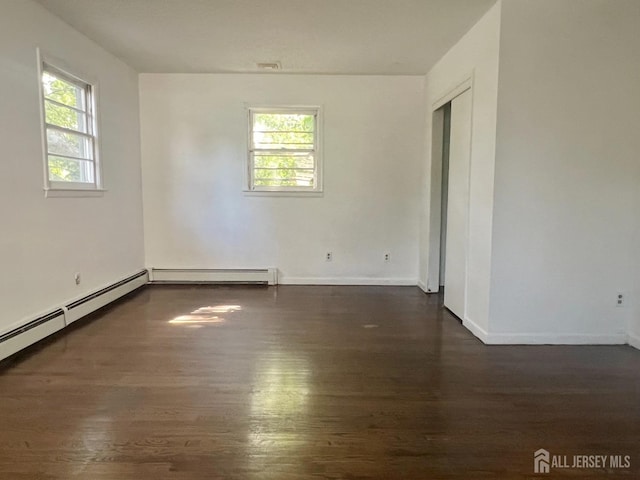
[(458, 204)]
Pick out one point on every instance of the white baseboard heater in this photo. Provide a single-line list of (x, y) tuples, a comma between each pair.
[(258, 276), (85, 305), (41, 327)]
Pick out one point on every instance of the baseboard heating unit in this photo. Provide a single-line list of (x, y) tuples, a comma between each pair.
[(259, 276), (42, 326), (85, 305)]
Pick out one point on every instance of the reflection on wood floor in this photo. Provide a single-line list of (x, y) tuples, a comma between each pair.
[(306, 383)]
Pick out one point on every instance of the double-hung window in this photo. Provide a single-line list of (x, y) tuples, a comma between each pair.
[(69, 131), (284, 153)]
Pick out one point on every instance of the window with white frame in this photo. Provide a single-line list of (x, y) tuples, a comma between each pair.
[(69, 131), (284, 153)]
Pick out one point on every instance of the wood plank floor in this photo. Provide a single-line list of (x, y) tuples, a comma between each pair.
[(306, 383)]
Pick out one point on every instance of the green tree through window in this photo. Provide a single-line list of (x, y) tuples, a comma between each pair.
[(69, 136), (283, 150)]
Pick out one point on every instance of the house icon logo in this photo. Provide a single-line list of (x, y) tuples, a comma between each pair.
[(541, 461)]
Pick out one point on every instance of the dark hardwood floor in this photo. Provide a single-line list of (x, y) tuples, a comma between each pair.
[(306, 383)]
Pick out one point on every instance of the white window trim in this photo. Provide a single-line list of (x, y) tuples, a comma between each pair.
[(64, 193), (318, 189), (70, 189)]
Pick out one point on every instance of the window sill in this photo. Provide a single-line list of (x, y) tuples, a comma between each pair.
[(267, 193), (61, 193)]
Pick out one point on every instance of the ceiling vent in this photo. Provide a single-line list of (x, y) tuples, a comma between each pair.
[(271, 66)]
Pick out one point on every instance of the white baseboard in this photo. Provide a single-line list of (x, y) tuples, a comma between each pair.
[(555, 339), (399, 281), (211, 275), (427, 289), (476, 329), (546, 338), (634, 340)]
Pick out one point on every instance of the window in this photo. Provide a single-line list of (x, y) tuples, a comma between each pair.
[(284, 151), (69, 131)]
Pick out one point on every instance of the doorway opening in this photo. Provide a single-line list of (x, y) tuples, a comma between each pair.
[(449, 213)]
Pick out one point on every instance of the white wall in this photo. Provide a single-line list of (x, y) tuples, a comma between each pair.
[(194, 148), (565, 237), (44, 241), (476, 56)]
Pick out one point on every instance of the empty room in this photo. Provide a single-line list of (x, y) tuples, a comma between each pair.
[(341, 239)]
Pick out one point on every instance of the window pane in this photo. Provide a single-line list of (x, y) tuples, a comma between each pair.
[(284, 139), (283, 177), (283, 122), (283, 150), (65, 117), (68, 170), (63, 91), (304, 160), (71, 144)]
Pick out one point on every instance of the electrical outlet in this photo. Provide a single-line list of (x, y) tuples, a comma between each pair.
[(77, 278), (619, 300), (329, 256), (387, 257)]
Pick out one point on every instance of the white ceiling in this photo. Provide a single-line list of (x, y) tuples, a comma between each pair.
[(306, 36)]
